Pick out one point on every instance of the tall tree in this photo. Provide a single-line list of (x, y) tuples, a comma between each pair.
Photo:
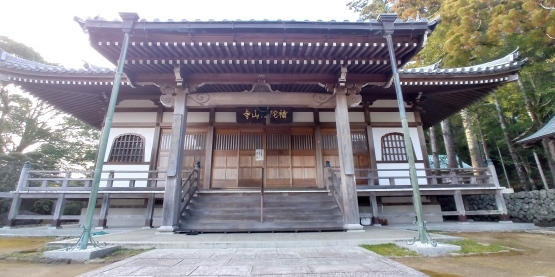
[(449, 144), (471, 140), (516, 159)]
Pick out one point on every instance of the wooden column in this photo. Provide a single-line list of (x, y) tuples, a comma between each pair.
[(459, 203), (16, 200), (351, 217), (103, 216), (172, 195), (500, 201), (155, 150), (375, 211), (319, 156), (423, 146), (371, 147), (149, 211), (209, 152), (58, 212)]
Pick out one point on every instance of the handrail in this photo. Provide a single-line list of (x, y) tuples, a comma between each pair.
[(52, 180), (189, 187), (334, 186), (262, 197), (458, 176)]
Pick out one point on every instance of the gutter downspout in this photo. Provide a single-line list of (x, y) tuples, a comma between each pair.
[(128, 21), (423, 236)]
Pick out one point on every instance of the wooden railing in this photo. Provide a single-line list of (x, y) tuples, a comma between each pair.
[(189, 187), (334, 187), (47, 180), (447, 176)]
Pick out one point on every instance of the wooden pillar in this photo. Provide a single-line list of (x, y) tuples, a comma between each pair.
[(14, 210), (423, 146), (371, 147), (58, 212), (375, 211), (351, 217), (500, 201), (319, 155), (209, 152), (459, 203), (155, 150), (172, 195), (149, 211), (16, 200), (103, 216)]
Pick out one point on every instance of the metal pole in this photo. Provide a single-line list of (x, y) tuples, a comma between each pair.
[(85, 236), (540, 169), (423, 235)]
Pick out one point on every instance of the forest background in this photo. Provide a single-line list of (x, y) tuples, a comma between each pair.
[(471, 32)]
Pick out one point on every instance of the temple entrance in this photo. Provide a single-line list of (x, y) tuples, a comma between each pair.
[(287, 159)]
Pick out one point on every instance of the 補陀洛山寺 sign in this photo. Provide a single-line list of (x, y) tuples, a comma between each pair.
[(254, 115)]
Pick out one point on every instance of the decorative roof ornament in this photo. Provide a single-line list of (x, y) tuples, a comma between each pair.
[(261, 85)]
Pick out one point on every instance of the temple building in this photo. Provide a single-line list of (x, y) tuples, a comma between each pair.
[(231, 126)]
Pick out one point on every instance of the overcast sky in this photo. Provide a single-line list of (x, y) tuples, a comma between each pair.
[(48, 27)]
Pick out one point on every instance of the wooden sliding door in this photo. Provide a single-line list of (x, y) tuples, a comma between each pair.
[(289, 158)]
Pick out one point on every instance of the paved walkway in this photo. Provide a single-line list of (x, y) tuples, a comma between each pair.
[(259, 254), (330, 261), (148, 238)]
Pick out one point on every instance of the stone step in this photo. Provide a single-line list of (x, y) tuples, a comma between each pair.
[(256, 197), (282, 212), (261, 226), (267, 217), (291, 210), (256, 204)]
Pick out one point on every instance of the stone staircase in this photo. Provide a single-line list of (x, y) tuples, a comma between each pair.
[(240, 212)]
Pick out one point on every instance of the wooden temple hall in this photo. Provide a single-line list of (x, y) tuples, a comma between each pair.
[(233, 126)]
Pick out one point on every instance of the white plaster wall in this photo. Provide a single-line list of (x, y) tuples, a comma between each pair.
[(125, 167), (303, 117), (356, 117), (167, 117), (147, 133), (378, 133), (225, 117), (198, 117), (390, 117), (135, 117), (327, 117), (399, 173), (330, 116), (386, 104), (136, 104)]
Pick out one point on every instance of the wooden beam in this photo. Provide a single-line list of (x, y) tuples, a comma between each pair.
[(265, 99), (58, 212)]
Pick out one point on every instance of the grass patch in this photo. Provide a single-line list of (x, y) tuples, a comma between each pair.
[(472, 247), (389, 250)]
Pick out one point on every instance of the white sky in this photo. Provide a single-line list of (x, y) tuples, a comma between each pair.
[(48, 27)]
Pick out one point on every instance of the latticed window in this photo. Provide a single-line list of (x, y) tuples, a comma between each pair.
[(127, 149), (393, 148)]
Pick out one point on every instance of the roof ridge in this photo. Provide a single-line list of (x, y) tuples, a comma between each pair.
[(13, 61)]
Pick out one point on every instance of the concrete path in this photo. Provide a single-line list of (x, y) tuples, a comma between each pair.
[(310, 261), (148, 238)]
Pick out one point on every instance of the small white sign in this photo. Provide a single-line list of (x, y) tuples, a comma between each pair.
[(259, 156)]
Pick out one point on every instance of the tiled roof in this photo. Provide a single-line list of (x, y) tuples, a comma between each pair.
[(10, 61), (548, 130), (409, 20), (507, 62)]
